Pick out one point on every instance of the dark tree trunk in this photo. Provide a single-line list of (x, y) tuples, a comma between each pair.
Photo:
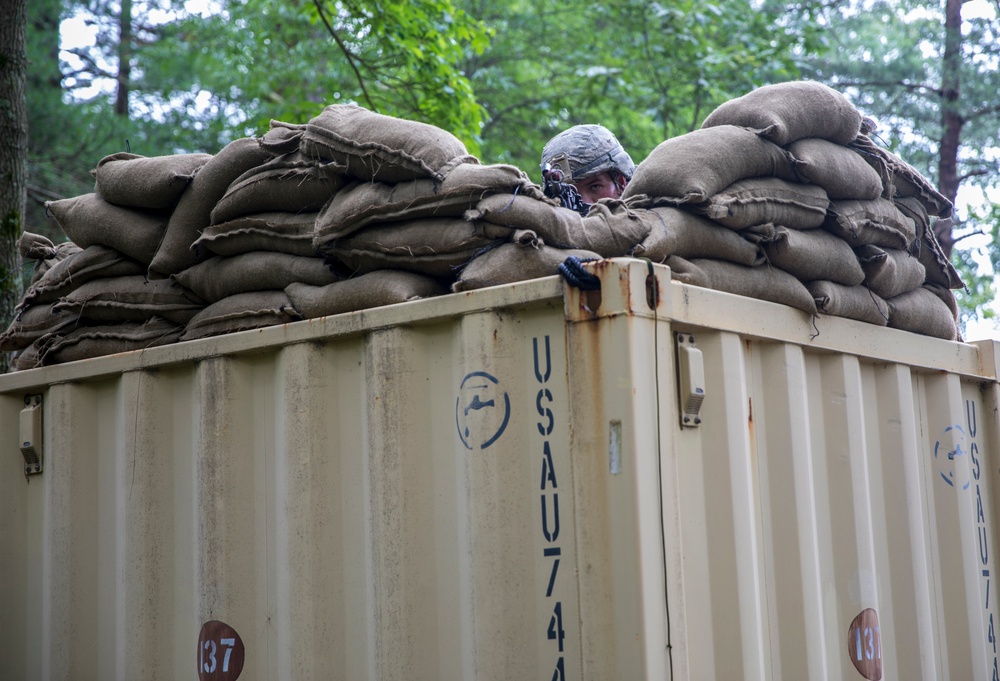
[(951, 117), (13, 151), (124, 58)]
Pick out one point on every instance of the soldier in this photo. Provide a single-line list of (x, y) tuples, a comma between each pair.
[(584, 164)]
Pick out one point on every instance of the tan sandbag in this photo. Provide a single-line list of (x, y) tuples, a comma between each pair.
[(378, 148), (77, 269), (785, 112), (32, 246), (938, 267), (852, 302), (436, 247), (762, 282), (906, 180), (287, 183), (242, 312), (109, 339), (151, 183), (194, 209), (374, 289), (89, 220), (695, 166), (221, 277), (678, 232), (279, 231), (763, 200), (924, 311), (814, 254), (890, 272), (29, 358), (840, 170), (512, 262), (876, 222), (53, 257), (282, 138), (365, 203), (31, 322), (132, 298)]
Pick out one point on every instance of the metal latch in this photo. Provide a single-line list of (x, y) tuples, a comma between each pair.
[(691, 380), (31, 434)]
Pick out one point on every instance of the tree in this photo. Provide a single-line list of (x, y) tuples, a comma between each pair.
[(14, 149)]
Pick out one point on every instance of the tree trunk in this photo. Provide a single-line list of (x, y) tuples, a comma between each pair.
[(124, 58), (951, 117), (13, 152)]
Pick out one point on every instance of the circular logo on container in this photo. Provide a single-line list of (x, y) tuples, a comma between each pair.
[(951, 457), (221, 653), (482, 410)]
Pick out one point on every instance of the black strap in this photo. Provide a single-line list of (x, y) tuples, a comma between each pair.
[(572, 271)]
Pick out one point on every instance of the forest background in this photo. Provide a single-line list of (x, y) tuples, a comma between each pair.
[(159, 77)]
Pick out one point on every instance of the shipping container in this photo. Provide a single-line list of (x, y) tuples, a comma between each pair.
[(650, 481)]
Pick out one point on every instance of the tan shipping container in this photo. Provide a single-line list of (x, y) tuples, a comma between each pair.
[(501, 485)]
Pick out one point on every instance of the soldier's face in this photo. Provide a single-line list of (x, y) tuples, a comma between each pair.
[(599, 186)]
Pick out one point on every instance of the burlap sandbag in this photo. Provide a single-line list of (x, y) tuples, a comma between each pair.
[(693, 167), (194, 210), (437, 247), (610, 229), (72, 272), (378, 148), (924, 311), (221, 277), (840, 170), (678, 232), (364, 203), (814, 254), (374, 289), (287, 183), (29, 358), (151, 183), (852, 302), (132, 298), (938, 267), (761, 200), (278, 231), (890, 272), (108, 339), (906, 180), (876, 222), (241, 312), (31, 246), (52, 257), (785, 112), (31, 322), (89, 220), (762, 282), (282, 138), (512, 262)]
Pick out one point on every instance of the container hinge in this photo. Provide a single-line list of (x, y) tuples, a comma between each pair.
[(31, 434), (691, 380)]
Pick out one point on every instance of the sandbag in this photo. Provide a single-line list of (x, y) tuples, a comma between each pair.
[(852, 302), (287, 183), (221, 277), (906, 180), (693, 167), (72, 272), (131, 298), (374, 289), (97, 341), (45, 254), (151, 183), (814, 254), (378, 148), (89, 220), (924, 311), (194, 209), (890, 272), (242, 312), (280, 231), (679, 232), (840, 170), (762, 282), (938, 267), (31, 322), (786, 112), (876, 222), (437, 247), (762, 200), (282, 138), (513, 262), (364, 203)]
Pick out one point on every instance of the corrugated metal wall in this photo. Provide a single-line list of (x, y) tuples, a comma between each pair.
[(495, 486)]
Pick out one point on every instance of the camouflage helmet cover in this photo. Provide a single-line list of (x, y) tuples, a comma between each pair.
[(585, 150)]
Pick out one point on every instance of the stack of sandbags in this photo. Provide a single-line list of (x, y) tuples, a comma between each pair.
[(789, 169)]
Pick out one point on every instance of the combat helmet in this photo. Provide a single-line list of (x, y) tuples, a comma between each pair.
[(585, 150)]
